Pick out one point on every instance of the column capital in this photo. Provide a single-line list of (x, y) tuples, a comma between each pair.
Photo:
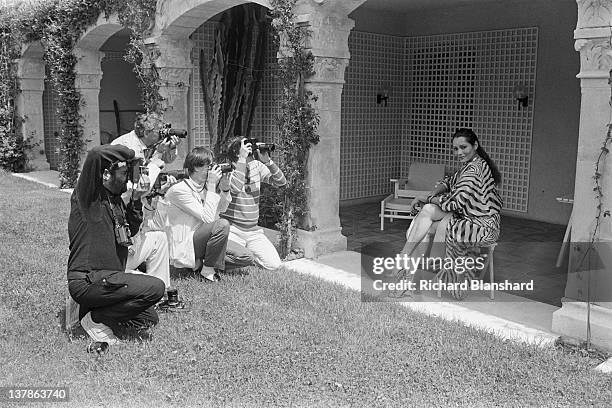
[(595, 57), (88, 61), (330, 33), (88, 81), (593, 13), (30, 68), (329, 70)]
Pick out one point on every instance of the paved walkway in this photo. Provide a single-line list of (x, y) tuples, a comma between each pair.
[(508, 316)]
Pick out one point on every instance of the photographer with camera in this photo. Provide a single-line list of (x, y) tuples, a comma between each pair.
[(198, 237), (243, 210), (155, 145), (100, 228)]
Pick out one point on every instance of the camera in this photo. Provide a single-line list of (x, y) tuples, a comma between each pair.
[(122, 235), (262, 146), (224, 167), (136, 167), (166, 132), (163, 177)]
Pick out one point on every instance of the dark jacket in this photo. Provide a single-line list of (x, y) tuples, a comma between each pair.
[(90, 225)]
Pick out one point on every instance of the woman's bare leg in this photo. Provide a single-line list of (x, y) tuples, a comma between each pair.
[(419, 227)]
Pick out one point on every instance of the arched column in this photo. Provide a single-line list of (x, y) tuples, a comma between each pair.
[(87, 82), (592, 37), (329, 45), (174, 67), (31, 74)]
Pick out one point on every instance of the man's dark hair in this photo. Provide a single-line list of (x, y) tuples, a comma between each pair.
[(198, 157)]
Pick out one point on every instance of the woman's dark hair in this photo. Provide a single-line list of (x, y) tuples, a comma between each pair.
[(231, 149), (471, 138), (198, 157)]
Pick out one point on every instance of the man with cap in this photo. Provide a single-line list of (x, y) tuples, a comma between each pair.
[(100, 228)]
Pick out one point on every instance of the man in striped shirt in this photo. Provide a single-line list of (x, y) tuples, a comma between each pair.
[(243, 210)]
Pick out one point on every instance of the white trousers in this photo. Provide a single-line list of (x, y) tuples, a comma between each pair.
[(264, 253), (150, 247)]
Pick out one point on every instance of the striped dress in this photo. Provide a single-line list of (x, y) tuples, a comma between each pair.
[(475, 204), (245, 183)]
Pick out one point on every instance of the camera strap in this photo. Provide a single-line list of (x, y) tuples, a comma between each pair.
[(118, 219)]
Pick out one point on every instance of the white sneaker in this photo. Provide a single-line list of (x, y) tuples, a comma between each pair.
[(98, 331), (208, 273)]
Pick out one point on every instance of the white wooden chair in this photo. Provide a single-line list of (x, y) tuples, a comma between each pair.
[(420, 181)]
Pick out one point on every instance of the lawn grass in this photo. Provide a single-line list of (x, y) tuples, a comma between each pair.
[(259, 339)]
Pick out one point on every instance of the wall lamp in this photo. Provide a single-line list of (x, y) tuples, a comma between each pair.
[(382, 95), (521, 94)]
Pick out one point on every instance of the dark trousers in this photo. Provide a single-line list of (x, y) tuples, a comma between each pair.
[(115, 296), (210, 243)]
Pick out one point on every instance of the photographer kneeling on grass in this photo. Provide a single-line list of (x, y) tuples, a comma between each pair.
[(155, 143), (100, 228), (197, 237), (243, 210)]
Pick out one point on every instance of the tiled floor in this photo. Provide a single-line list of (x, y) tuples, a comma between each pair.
[(526, 249)]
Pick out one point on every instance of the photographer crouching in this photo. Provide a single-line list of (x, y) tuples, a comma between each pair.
[(253, 167), (100, 228), (154, 143)]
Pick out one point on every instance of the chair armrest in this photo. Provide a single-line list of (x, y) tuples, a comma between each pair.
[(398, 180)]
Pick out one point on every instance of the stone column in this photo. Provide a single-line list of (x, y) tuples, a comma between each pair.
[(88, 76), (329, 45), (592, 37), (29, 104), (174, 66)]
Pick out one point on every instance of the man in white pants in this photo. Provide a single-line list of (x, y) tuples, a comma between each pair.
[(151, 244)]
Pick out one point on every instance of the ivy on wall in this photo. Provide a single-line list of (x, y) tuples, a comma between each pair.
[(58, 26), (297, 121), (139, 16), (12, 153)]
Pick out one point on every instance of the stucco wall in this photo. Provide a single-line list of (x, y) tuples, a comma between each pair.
[(557, 102)]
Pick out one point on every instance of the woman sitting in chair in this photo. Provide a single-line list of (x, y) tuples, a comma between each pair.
[(471, 199)]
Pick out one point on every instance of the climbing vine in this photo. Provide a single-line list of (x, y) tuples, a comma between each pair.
[(58, 26), (12, 153), (139, 17), (297, 121)]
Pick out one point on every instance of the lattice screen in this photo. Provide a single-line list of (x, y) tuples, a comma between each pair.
[(467, 80), (371, 133), (203, 39), (51, 125)]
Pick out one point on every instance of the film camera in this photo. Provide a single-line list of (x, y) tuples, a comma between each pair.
[(163, 177), (262, 146), (224, 167), (166, 132)]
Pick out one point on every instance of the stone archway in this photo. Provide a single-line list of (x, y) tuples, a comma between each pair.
[(89, 73), (330, 24)]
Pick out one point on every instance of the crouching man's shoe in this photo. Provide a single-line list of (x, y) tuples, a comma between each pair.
[(99, 332)]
